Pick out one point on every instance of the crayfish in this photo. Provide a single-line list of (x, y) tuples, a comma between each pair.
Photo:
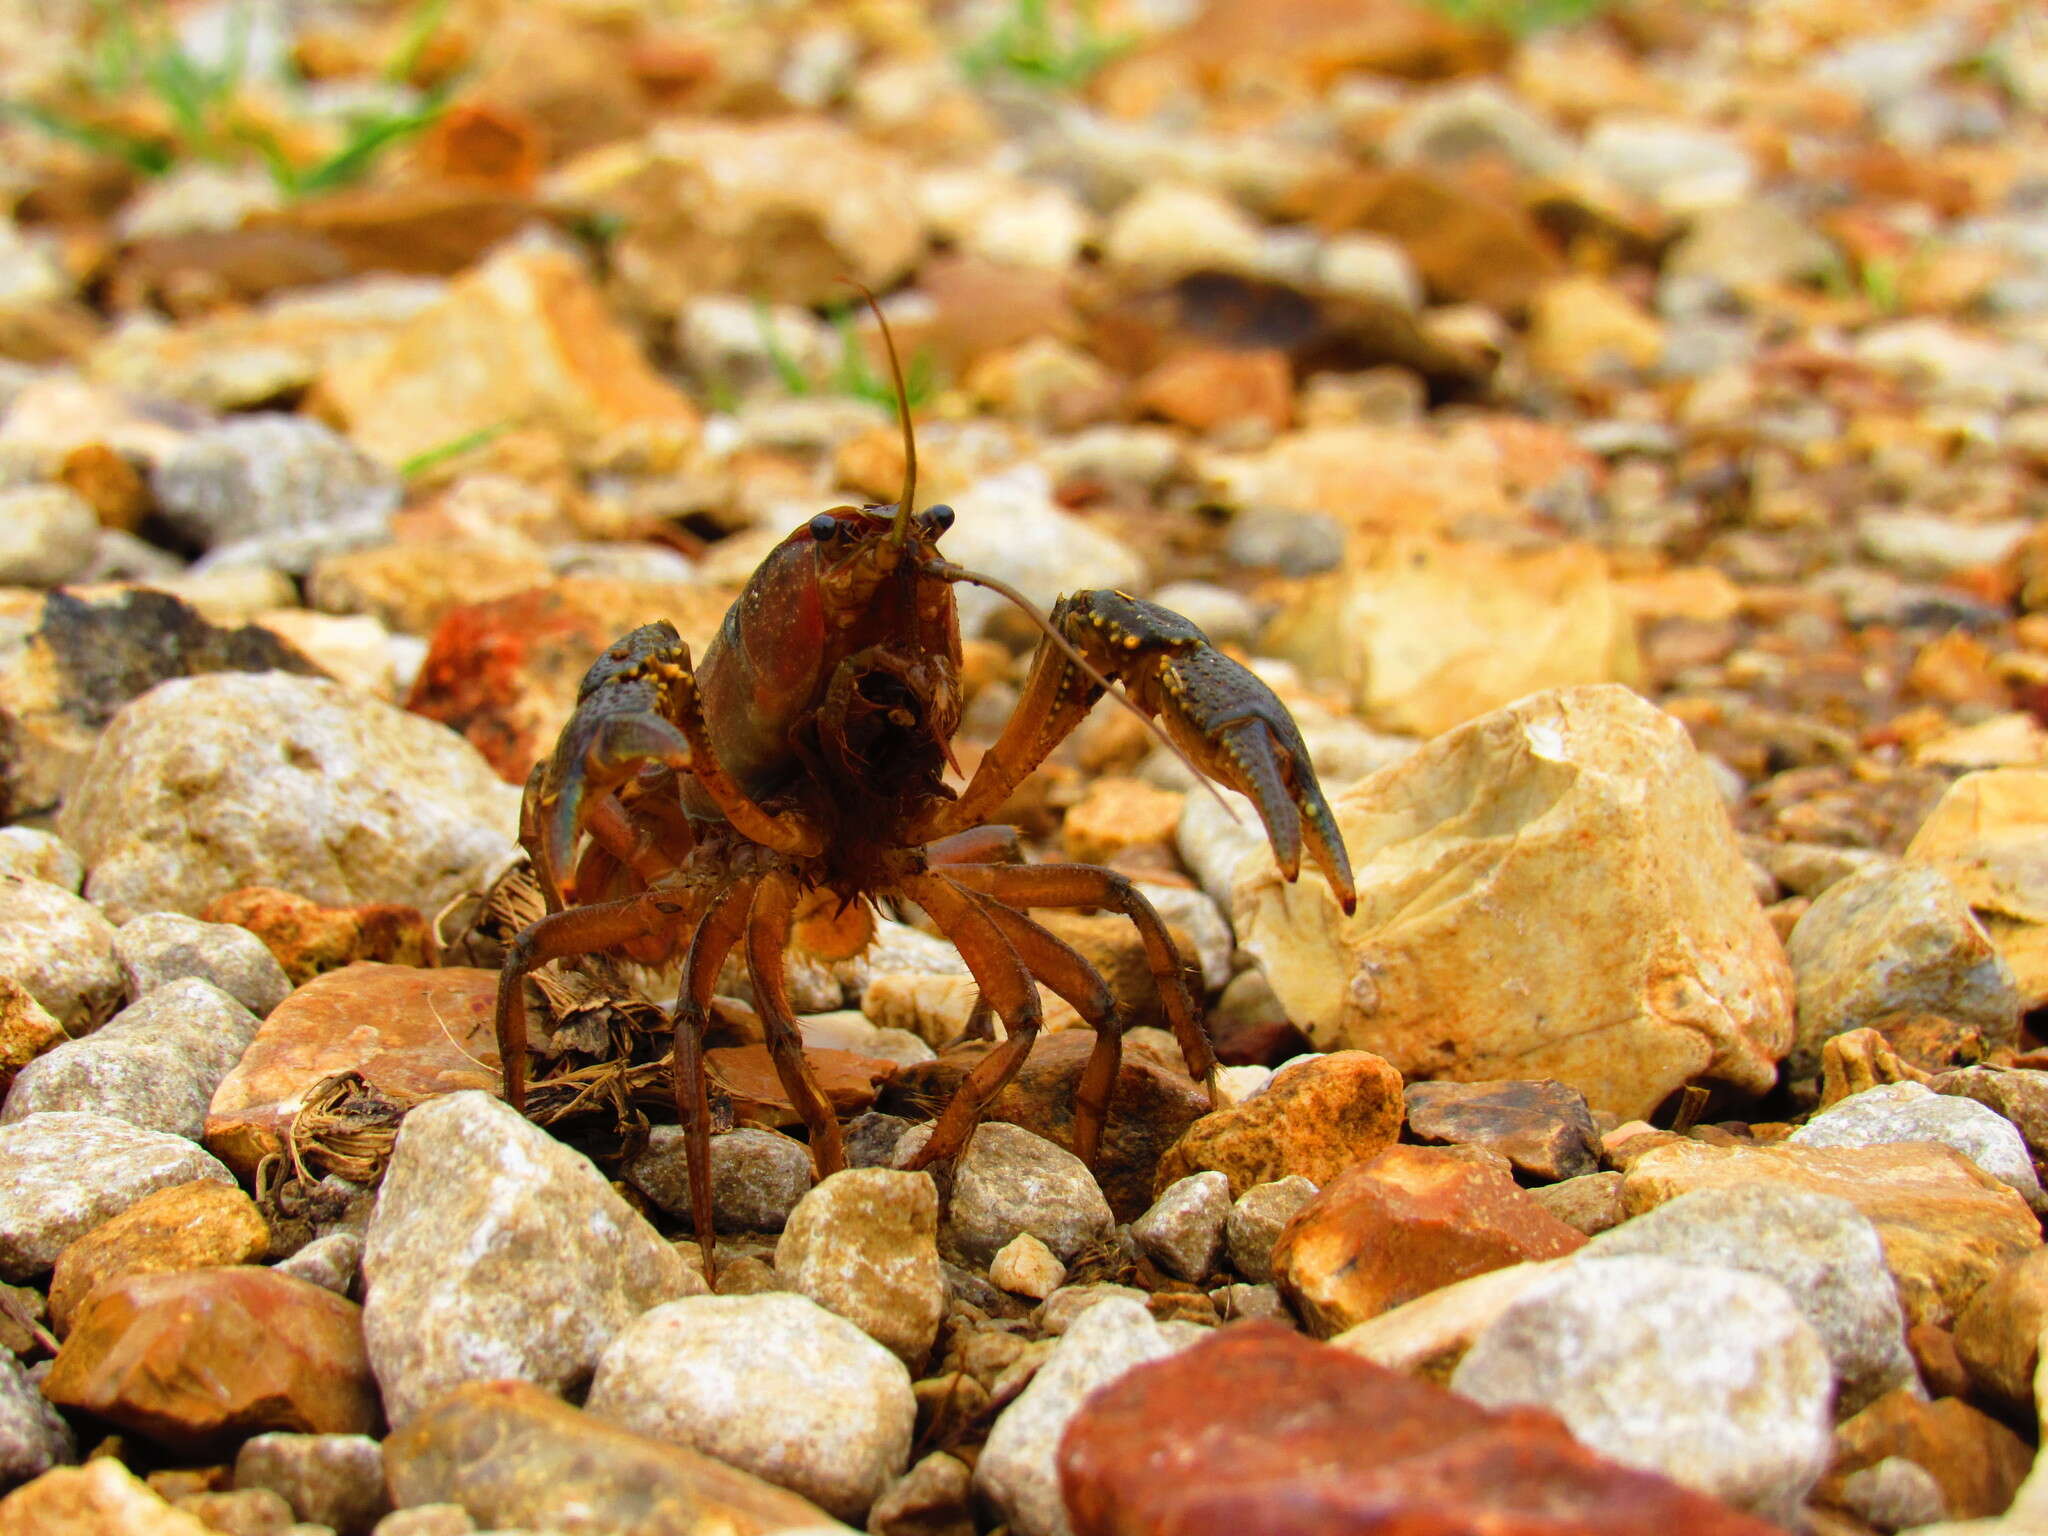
[(805, 756)]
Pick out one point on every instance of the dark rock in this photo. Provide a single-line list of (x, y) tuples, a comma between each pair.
[(1542, 1127)]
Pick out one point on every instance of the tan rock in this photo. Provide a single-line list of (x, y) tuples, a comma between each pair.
[(1989, 835), (152, 1353), (1583, 330), (1860, 1059), (1469, 246), (1407, 1223), (1998, 1335), (1947, 1226), (411, 1033), (1552, 891), (1205, 388), (101, 1498), (525, 339), (1424, 634), (1117, 815), (1590, 1203), (1315, 1119), (413, 586), (27, 1029), (307, 938), (188, 1226), (1428, 1336), (785, 209), (1374, 479)]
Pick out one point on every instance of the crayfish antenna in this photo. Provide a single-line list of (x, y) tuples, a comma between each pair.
[(899, 530)]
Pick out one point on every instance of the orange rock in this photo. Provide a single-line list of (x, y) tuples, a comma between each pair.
[(1118, 814), (27, 1029), (1315, 1119), (101, 1498), (411, 1033), (1468, 247), (188, 1226), (485, 145), (308, 938), (194, 1359), (1318, 40), (1209, 387), (1412, 1220), (1976, 1460), (411, 586), (105, 478)]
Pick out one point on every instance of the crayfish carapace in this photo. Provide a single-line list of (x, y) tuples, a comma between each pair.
[(806, 753)]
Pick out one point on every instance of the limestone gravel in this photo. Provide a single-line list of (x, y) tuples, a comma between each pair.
[(161, 947), (61, 948)]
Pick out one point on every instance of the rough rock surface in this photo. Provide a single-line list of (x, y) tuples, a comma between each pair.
[(772, 1384), (1010, 1181), (1896, 1112), (1316, 1118), (1257, 1220), (1822, 1250), (1183, 1231), (518, 1458), (188, 1226), (1428, 1336), (1542, 1128), (154, 1064), (864, 1244), (101, 1498), (1018, 1470), (45, 1206), (757, 1176), (61, 949), (33, 1435), (496, 1252), (1895, 939), (208, 784), (331, 1480), (1708, 1375), (1587, 806), (1325, 1442), (1411, 1220), (162, 947)]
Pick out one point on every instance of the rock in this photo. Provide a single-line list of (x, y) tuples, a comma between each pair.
[(1256, 1221), (409, 1033), (71, 661), (1150, 1106), (187, 1226), (1891, 1495), (785, 209), (27, 1029), (1468, 247), (1120, 814), (771, 1384), (864, 1244), (101, 1498), (756, 1176), (33, 1435), (1675, 164), (1183, 1231), (241, 1511), (210, 784), (1947, 1226), (1582, 330), (331, 1480), (1708, 1375), (516, 1457), (155, 1064), (273, 489), (60, 949), (307, 938), (1580, 805), (162, 947), (331, 1262), (1825, 1253), (1010, 526), (1890, 940), (934, 1498), (45, 1206), (1591, 1203), (1169, 231), (1407, 1222), (1749, 245), (1542, 1128), (1064, 1306), (1017, 1471), (1997, 1336), (1338, 1444), (28, 854), (1428, 1336), (1026, 1267), (1899, 1112), (536, 347), (1863, 1059), (1424, 634), (1989, 834), (844, 1029), (496, 1252), (1010, 1181), (47, 535), (412, 587), (1976, 1461), (2020, 1096), (146, 1352), (1316, 1118)]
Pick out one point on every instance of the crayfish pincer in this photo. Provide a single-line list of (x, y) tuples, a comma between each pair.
[(689, 809)]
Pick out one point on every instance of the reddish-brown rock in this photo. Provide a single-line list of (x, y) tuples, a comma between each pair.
[(1976, 1460), (188, 1226), (1541, 1126), (1404, 1224), (1260, 1432), (195, 1358), (308, 938), (747, 1072), (1316, 1118), (504, 672), (1208, 387), (1148, 1110), (1468, 246), (411, 1033)]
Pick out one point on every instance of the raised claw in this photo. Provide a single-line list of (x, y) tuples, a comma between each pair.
[(1225, 719), (625, 719)]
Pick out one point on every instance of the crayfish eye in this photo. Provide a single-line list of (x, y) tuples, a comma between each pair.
[(824, 526), (938, 518)]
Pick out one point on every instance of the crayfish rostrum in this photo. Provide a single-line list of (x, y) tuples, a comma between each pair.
[(805, 756)]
